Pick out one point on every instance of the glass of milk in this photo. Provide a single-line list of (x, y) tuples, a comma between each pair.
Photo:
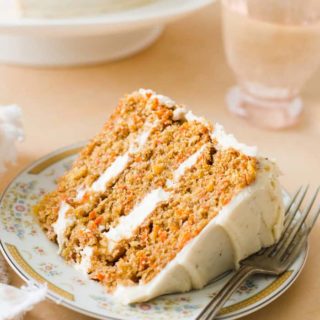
[(273, 47)]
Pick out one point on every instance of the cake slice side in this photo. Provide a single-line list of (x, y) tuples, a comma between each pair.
[(240, 229), (161, 201)]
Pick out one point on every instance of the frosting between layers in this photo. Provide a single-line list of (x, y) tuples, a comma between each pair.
[(80, 193), (119, 164), (85, 264), (111, 172), (252, 220), (127, 224), (190, 162), (224, 141), (62, 223), (130, 222)]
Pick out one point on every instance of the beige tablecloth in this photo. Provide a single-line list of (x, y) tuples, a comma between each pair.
[(68, 105)]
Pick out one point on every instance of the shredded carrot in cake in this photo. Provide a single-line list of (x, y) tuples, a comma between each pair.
[(190, 201)]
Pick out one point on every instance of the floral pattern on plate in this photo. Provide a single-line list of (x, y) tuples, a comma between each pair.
[(35, 258)]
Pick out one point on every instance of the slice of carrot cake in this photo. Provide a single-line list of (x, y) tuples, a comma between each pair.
[(162, 201)]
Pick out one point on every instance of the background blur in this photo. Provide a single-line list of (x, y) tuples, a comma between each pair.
[(64, 106)]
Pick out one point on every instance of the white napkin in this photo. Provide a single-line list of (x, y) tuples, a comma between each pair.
[(14, 302), (10, 132)]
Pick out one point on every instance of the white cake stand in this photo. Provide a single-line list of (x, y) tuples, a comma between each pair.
[(89, 40)]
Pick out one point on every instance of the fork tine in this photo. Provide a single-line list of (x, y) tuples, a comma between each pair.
[(290, 257), (290, 246), (296, 209), (298, 227), (288, 223), (293, 200)]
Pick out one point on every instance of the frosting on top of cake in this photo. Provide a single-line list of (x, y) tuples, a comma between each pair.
[(127, 224), (224, 140), (190, 268)]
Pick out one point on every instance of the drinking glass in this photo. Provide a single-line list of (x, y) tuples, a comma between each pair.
[(273, 47)]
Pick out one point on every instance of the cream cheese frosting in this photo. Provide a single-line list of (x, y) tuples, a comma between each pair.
[(85, 264), (150, 95), (129, 223), (111, 172), (119, 164), (142, 210), (62, 223), (226, 141), (188, 163), (252, 220)]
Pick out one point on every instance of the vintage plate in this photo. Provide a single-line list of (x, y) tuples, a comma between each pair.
[(35, 258)]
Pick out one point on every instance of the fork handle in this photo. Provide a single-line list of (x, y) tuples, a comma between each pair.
[(214, 306)]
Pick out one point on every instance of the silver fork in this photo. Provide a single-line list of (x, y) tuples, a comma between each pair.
[(275, 259)]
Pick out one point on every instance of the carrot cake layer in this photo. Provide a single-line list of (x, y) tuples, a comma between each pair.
[(162, 201)]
